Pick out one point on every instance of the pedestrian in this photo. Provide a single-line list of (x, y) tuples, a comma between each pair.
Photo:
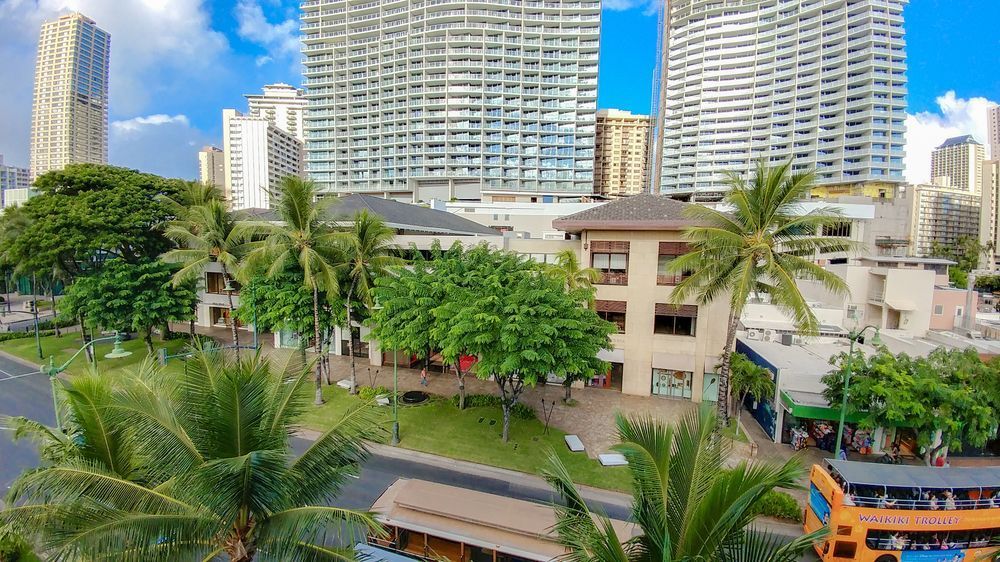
[(842, 455), (423, 376)]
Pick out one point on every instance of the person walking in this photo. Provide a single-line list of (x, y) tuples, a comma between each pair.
[(423, 376)]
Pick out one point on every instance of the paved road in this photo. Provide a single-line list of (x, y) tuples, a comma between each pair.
[(23, 392)]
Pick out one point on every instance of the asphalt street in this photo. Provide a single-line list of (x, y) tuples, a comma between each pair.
[(23, 392)]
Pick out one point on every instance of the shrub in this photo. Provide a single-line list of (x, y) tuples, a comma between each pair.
[(779, 505), (519, 411), (369, 393), (8, 336)]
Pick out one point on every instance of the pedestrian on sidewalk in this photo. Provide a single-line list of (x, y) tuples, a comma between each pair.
[(423, 376)]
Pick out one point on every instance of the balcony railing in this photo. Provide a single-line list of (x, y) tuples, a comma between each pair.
[(613, 278), (671, 279)]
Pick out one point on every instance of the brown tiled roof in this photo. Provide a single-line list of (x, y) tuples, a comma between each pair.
[(638, 212)]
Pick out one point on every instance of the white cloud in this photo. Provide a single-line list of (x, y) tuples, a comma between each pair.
[(262, 60), (137, 123), (926, 130), (160, 144), (649, 7), (280, 39)]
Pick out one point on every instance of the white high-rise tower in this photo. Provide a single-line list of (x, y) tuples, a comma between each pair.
[(819, 83), (282, 105), (69, 117), (463, 99)]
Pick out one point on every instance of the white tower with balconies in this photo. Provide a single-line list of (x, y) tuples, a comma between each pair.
[(451, 99), (820, 83)]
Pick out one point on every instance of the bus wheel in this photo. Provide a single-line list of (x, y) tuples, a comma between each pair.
[(886, 558)]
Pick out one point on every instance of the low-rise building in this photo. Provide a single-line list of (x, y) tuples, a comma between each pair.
[(660, 349), (15, 185)]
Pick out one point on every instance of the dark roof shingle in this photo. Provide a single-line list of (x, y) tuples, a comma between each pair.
[(638, 212), (408, 216)]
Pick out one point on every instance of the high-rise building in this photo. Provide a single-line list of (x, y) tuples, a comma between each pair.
[(989, 225), (958, 164), (621, 153), (282, 105), (69, 117), (819, 83), (942, 216), (993, 131), (258, 155), (15, 187), (212, 166), (491, 99)]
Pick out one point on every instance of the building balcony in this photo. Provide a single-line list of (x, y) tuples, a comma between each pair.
[(613, 278)]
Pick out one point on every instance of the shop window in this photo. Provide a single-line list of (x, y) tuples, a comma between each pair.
[(675, 320), (675, 384)]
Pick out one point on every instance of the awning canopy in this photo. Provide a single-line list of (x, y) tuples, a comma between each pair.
[(897, 303), (813, 406), (925, 477)]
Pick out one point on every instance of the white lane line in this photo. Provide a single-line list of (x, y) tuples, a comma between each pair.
[(5, 373), (12, 377)]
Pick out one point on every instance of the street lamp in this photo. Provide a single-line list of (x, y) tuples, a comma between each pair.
[(117, 352), (854, 336)]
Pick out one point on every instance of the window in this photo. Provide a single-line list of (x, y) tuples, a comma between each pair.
[(668, 382), (611, 260), (958, 312), (839, 230), (938, 309), (669, 251), (612, 311), (675, 320)]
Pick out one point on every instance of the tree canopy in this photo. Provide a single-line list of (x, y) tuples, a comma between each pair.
[(520, 323), (949, 398), (131, 296), (87, 213), (283, 302)]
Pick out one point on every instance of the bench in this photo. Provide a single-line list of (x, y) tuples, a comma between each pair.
[(612, 459), (574, 443)]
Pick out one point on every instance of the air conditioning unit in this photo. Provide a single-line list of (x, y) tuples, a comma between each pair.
[(555, 235), (769, 335), (753, 334), (798, 340)]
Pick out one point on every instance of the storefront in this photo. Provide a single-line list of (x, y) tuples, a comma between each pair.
[(808, 420)]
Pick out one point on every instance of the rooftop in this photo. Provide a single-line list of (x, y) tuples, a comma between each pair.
[(874, 474), (400, 216), (908, 259), (956, 141), (638, 212)]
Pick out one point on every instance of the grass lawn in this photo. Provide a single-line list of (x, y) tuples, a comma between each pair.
[(442, 429), (63, 347)]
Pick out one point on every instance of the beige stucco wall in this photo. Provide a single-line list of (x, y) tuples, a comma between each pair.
[(642, 349)]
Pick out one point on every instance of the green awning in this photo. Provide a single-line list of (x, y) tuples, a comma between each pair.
[(813, 406)]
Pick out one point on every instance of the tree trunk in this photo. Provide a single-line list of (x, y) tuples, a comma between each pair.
[(52, 296), (319, 364), (350, 342), (147, 337), (166, 331), (232, 310), (727, 354), (569, 391), (461, 383), (191, 326), (508, 398), (83, 335)]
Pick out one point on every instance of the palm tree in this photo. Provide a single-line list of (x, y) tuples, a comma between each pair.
[(568, 268), (686, 504), (195, 466), (759, 244), (205, 234), (368, 252), (748, 379), (303, 239)]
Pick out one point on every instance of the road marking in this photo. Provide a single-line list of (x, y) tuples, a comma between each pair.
[(11, 377)]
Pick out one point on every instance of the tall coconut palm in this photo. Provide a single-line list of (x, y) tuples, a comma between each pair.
[(206, 234), (303, 238), (568, 268), (368, 252), (192, 467), (759, 243), (686, 504)]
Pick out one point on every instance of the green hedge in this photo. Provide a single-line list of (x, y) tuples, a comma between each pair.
[(519, 411), (8, 336), (369, 393), (779, 505)]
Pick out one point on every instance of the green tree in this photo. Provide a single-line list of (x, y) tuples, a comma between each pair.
[(193, 468), (131, 296), (966, 252), (521, 324), (686, 504), (568, 269), (947, 398), (368, 252), (303, 238), (760, 245), (284, 302), (749, 379), (206, 234), (85, 214)]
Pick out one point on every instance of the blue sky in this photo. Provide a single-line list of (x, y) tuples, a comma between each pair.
[(177, 63)]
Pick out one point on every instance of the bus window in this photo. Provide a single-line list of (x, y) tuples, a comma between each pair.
[(845, 549)]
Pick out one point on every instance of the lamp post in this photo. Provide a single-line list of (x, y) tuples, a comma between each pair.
[(53, 371), (253, 300), (854, 336), (395, 390), (34, 309)]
